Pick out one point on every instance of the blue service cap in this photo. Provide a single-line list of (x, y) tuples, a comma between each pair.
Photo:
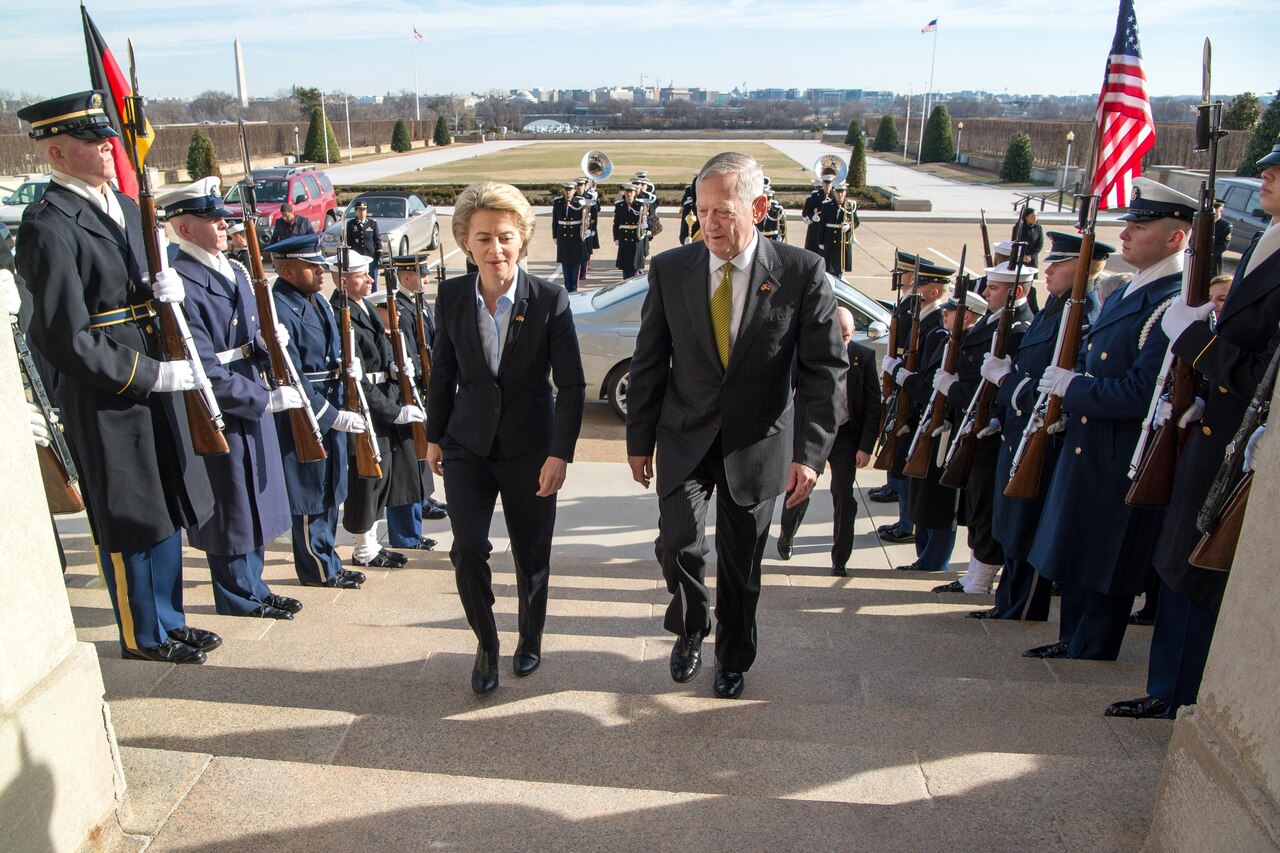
[(1152, 201), (929, 271), (200, 198), (421, 263), (303, 247), (1272, 159), (1067, 246), (80, 115)]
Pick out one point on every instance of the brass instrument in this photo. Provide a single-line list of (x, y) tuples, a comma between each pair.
[(833, 165), (596, 165)]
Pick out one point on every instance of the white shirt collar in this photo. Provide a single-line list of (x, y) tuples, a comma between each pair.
[(215, 261), (741, 262), (104, 199), (508, 294), (1160, 269)]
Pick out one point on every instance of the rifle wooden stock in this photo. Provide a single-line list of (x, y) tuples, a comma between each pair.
[(917, 464), (956, 474), (62, 494), (1024, 481), (986, 240), (366, 451), (888, 450), (1217, 549), (424, 351), (57, 470), (408, 393), (886, 378)]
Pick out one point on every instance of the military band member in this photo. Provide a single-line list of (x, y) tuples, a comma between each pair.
[(316, 489), (238, 244), (986, 556), (774, 224), (839, 216), (586, 190), (567, 217), (647, 197), (1233, 357), (250, 504), (409, 503), (94, 319), (626, 232), (363, 237), (816, 232), (1022, 592), (689, 228), (1097, 547)]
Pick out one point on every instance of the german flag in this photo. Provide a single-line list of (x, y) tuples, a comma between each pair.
[(105, 75)]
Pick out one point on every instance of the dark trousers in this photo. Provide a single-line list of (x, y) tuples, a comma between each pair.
[(572, 272), (899, 486), (1022, 592), (1179, 648), (1093, 623), (979, 502), (934, 547), (238, 587), (681, 548), (474, 484), (844, 505), (366, 498), (146, 591), (628, 270), (314, 557), (404, 525)]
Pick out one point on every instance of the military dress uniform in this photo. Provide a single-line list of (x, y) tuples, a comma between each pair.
[(689, 228), (94, 320), (1221, 238), (363, 237), (626, 231), (837, 240), (816, 231), (774, 224), (567, 214)]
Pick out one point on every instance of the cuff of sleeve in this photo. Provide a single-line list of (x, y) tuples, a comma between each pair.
[(142, 378), (1193, 342)]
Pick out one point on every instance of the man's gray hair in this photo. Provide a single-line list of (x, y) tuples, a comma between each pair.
[(750, 173)]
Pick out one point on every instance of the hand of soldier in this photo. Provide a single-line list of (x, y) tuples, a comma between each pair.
[(167, 287), (889, 364), (351, 422), (411, 415), (1055, 380), (175, 376), (1251, 448), (901, 375), (409, 370), (282, 335), (356, 371), (285, 397), (589, 234), (1193, 413), (994, 369), (39, 427), (1164, 411), (942, 381), (1179, 316), (9, 293)]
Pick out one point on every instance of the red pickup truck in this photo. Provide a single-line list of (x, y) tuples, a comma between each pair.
[(307, 188)]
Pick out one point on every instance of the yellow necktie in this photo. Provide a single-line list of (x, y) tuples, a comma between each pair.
[(722, 313)]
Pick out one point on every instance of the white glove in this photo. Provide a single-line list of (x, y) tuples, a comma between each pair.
[(1251, 448), (889, 364), (411, 415), (942, 381), (589, 234), (167, 287), (900, 376), (39, 427), (285, 397), (994, 369), (356, 371), (175, 376), (9, 293), (409, 372), (282, 338), (1180, 315), (349, 422), (1164, 411), (1055, 380)]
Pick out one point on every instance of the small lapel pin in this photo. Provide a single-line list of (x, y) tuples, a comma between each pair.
[(766, 287), (519, 318)]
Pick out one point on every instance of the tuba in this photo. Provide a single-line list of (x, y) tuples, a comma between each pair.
[(831, 164), (596, 165)]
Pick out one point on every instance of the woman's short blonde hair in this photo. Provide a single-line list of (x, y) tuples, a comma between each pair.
[(490, 195)]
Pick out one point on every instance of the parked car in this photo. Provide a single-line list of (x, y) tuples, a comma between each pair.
[(608, 320), (307, 188), (1243, 209), (28, 193), (405, 222)]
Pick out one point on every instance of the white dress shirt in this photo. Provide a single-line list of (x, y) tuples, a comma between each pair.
[(739, 278), (1160, 269), (493, 327), (104, 199)]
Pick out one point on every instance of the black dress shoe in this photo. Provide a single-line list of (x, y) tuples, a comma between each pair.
[(838, 572), (686, 658), (266, 611), (784, 549), (394, 556), (484, 676), (342, 580), (898, 537), (381, 560), (1141, 618), (197, 638), (917, 566), (352, 575), (1146, 708), (883, 495), (954, 586), (283, 602), (170, 651), (1053, 650), (728, 684), (527, 657), (993, 613), (435, 512), (885, 528)]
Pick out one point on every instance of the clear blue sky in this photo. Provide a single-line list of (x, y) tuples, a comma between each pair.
[(366, 46)]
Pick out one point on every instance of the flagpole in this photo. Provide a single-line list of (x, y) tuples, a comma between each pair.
[(324, 128), (417, 97), (906, 137), (925, 113)]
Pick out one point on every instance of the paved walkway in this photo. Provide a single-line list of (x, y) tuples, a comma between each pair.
[(374, 170)]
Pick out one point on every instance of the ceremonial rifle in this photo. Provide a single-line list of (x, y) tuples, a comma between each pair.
[(1156, 455), (420, 332), (366, 443), (886, 378), (899, 403), (307, 437), (977, 416), (57, 468), (933, 422), (204, 416), (987, 257), (408, 391)]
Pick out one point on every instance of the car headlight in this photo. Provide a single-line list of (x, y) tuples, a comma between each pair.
[(264, 220)]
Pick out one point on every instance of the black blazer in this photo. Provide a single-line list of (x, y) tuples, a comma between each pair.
[(472, 407), (863, 389)]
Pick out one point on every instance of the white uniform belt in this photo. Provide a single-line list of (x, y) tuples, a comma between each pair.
[(628, 227), (237, 354), (323, 375), (570, 222)]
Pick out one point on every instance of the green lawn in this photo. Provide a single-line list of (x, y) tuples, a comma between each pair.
[(547, 162)]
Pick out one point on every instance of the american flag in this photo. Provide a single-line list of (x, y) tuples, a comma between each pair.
[(930, 27), (1125, 127), (417, 36)]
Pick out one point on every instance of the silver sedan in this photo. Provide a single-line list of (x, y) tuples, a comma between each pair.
[(608, 320), (405, 222)]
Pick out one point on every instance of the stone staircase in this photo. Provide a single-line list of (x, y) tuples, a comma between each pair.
[(876, 718)]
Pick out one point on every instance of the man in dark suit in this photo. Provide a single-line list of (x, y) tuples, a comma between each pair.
[(851, 450), (1221, 235), (1232, 356), (722, 325), (363, 236), (1092, 543), (94, 320), (289, 225)]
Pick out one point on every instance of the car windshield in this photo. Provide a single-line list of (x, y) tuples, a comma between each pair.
[(867, 309), (611, 294), (28, 193), (382, 208), (270, 192)]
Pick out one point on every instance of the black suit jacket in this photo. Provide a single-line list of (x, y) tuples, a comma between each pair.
[(471, 406), (862, 387)]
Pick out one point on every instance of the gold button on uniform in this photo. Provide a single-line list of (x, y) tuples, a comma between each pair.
[(1222, 390), (1206, 430), (1077, 451), (1090, 347), (150, 330), (1084, 419), (1103, 356), (235, 321)]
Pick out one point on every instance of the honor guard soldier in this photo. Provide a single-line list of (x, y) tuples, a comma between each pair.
[(1221, 235), (839, 216), (363, 237), (250, 503), (1022, 592), (1092, 543), (94, 319), (774, 224), (238, 244), (316, 489), (690, 230), (409, 503), (986, 556), (627, 217), (568, 214), (367, 497), (585, 190), (816, 231), (1233, 357)]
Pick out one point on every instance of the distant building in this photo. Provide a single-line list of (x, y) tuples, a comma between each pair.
[(546, 125)]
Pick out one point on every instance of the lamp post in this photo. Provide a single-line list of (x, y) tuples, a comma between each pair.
[(959, 136), (1066, 163), (297, 145)]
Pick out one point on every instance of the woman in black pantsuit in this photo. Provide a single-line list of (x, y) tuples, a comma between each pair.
[(495, 426)]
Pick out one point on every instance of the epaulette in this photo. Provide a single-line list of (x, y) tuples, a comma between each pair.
[(1154, 319), (248, 275)]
